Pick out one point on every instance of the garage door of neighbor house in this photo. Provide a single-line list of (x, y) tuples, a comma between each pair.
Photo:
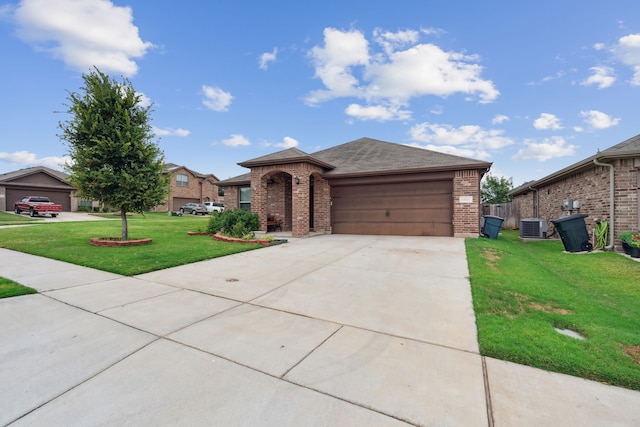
[(181, 201), (405, 209), (61, 197)]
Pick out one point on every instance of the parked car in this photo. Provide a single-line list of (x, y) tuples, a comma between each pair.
[(194, 209), (214, 206)]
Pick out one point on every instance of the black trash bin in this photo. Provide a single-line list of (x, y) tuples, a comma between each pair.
[(491, 226), (573, 232)]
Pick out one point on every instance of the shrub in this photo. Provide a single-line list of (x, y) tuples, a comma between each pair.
[(233, 223)]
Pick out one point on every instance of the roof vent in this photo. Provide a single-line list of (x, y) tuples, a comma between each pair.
[(533, 228)]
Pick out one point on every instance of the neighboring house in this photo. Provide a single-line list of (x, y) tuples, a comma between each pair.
[(37, 181), (188, 186), (606, 186), (364, 186)]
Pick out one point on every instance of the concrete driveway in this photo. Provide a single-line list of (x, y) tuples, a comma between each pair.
[(329, 330)]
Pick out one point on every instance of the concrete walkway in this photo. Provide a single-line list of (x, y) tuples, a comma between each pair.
[(330, 330)]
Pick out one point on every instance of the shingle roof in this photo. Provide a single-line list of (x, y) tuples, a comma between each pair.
[(628, 148), (290, 155), (10, 176), (243, 179), (367, 156), (170, 167)]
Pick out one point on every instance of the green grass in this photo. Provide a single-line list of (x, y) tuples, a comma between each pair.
[(523, 290), (9, 288), (13, 219), (69, 241)]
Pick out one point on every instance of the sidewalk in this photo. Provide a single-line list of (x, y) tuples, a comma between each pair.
[(331, 330)]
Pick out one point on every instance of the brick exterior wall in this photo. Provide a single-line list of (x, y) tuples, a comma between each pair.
[(274, 192), (231, 197), (591, 187), (466, 203)]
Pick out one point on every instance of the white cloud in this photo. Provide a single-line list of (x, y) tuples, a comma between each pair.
[(402, 69), (627, 50), (333, 63), (466, 139), (598, 120), (437, 109), (145, 101), (170, 132), (288, 142), (83, 34), (547, 121), (602, 76), (499, 118), (25, 158), (377, 112), (236, 140), (216, 99), (268, 57), (456, 151), (599, 46), (548, 148), (392, 41)]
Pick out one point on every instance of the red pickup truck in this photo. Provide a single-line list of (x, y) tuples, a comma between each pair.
[(37, 205)]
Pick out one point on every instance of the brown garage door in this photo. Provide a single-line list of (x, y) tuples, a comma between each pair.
[(403, 209), (181, 201), (61, 197)]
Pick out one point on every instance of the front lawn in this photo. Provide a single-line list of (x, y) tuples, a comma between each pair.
[(69, 241), (13, 219), (523, 290)]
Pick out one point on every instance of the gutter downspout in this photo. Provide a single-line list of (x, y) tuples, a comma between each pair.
[(536, 201), (611, 203)]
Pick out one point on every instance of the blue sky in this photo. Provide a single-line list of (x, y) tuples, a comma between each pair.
[(530, 86)]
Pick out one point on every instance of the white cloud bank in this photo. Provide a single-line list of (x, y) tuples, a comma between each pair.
[(387, 79), (83, 34), (25, 158), (548, 148), (627, 51), (467, 141)]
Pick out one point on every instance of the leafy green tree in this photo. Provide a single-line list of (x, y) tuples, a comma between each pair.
[(494, 190), (114, 159)]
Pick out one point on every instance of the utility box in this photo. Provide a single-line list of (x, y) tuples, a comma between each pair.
[(573, 232), (491, 226)]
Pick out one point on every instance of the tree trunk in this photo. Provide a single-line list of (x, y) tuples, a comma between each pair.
[(125, 228)]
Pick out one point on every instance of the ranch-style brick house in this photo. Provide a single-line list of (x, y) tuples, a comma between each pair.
[(606, 185), (37, 181), (364, 186)]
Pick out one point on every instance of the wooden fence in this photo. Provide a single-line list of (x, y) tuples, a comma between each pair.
[(510, 212)]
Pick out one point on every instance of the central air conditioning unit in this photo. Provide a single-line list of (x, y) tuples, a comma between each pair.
[(533, 228)]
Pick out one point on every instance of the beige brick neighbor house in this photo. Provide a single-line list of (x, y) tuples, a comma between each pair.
[(605, 185), (364, 186)]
